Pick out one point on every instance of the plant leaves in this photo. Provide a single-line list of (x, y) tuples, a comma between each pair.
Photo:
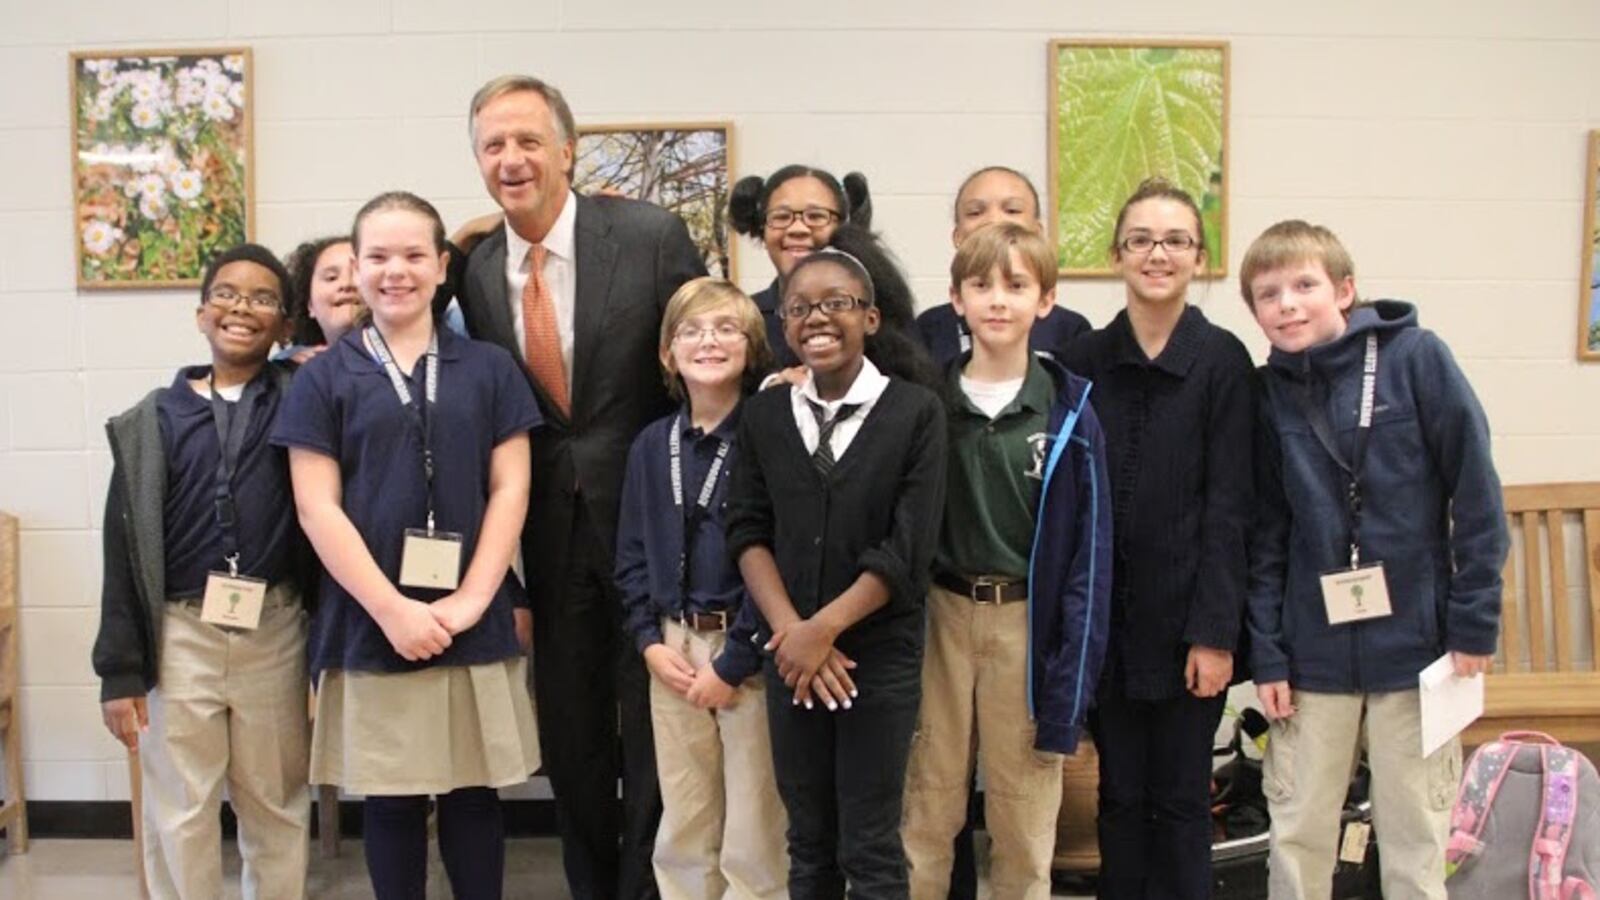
[(1125, 114)]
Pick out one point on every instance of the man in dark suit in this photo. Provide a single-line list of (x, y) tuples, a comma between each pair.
[(575, 287)]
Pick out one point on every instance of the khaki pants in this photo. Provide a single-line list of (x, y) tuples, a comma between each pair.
[(1310, 758), (230, 706), (722, 824), (974, 696)]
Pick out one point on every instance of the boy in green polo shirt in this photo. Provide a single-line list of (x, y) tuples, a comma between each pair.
[(1017, 617)]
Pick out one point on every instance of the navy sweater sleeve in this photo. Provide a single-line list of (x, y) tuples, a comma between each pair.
[(905, 556), (639, 616), (1457, 436), (1269, 551), (1218, 606), (741, 654)]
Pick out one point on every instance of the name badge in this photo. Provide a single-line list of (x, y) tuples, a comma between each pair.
[(431, 560), (1353, 849), (233, 601), (1355, 595)]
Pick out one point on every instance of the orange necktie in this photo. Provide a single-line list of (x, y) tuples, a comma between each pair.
[(541, 337)]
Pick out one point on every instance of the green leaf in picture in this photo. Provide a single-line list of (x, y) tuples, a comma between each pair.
[(1126, 114)]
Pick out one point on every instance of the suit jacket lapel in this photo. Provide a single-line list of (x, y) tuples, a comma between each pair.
[(491, 283), (597, 259)]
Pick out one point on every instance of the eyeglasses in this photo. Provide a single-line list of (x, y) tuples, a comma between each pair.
[(258, 301), (812, 216), (720, 333), (830, 306), (1144, 243)]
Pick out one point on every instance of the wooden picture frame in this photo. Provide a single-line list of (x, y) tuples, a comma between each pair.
[(1589, 287), (1125, 110), (686, 167), (162, 163)]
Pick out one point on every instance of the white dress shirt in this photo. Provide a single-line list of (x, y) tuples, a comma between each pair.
[(560, 274), (865, 391)]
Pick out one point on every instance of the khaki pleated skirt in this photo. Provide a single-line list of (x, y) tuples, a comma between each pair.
[(426, 732)]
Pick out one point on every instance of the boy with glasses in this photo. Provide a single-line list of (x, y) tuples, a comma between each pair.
[(722, 825), (201, 647)]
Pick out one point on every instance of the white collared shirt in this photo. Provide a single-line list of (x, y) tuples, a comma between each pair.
[(560, 273), (865, 391)]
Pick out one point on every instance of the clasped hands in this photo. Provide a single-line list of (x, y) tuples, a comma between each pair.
[(420, 631), (810, 665)]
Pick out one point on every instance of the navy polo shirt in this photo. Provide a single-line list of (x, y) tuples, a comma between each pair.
[(767, 301), (191, 534), (943, 332), (343, 405), (650, 539)]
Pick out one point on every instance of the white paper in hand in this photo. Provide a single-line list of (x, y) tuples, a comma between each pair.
[(1449, 703)]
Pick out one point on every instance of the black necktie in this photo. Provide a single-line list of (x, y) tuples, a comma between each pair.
[(823, 457)]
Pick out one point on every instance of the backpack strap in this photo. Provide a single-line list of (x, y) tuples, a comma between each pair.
[(1548, 856), (1485, 771)]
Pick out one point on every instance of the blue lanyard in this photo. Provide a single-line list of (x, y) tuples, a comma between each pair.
[(403, 391)]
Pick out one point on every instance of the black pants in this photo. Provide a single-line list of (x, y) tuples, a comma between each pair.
[(585, 672), (842, 777), (1155, 796), (472, 842)]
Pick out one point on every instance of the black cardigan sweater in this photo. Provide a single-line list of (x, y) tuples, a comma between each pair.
[(878, 510), (1179, 445)]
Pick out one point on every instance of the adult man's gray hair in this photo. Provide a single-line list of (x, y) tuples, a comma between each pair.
[(501, 85)]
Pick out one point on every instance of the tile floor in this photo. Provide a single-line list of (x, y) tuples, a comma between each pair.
[(57, 869)]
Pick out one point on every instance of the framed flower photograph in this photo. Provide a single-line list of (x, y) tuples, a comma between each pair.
[(1124, 111), (161, 163), (1589, 287), (685, 167)]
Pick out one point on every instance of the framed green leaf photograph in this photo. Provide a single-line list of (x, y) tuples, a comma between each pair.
[(1124, 111), (161, 163), (1589, 293)]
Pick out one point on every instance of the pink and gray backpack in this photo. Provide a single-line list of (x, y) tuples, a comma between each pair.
[(1526, 823)]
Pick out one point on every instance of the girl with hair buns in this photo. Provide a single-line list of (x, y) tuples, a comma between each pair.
[(792, 212)]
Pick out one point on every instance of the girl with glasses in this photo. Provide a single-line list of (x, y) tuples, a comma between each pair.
[(1174, 396)]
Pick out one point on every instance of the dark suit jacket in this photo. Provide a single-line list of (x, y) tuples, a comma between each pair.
[(631, 257)]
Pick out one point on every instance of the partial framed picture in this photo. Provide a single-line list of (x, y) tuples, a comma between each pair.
[(161, 163), (686, 167), (1589, 295), (1124, 111)]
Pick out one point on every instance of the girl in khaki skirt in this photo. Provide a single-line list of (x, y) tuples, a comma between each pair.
[(408, 449)]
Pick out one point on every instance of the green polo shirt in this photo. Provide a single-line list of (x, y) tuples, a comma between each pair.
[(996, 470)]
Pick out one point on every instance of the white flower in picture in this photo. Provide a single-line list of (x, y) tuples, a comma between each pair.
[(152, 207), (236, 94), (217, 108), (187, 184), (145, 116), (99, 237), (150, 185), (234, 63)]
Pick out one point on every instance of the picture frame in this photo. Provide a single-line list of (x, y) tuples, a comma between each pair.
[(686, 167), (162, 163), (1125, 110), (1589, 287)]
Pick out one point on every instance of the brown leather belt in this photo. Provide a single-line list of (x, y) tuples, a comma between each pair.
[(706, 621), (984, 589)]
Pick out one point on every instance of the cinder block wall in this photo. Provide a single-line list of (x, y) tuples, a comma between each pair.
[(1443, 140)]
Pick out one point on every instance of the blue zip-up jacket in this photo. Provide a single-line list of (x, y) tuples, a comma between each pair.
[(1069, 568), (1432, 511), (650, 540)]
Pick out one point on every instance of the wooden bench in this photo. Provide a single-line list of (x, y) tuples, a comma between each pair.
[(1539, 681), (13, 807)]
